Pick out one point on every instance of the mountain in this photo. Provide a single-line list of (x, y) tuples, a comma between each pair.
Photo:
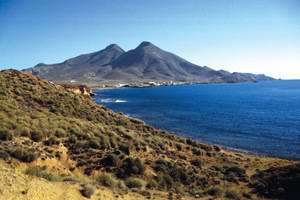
[(78, 68), (77, 147), (147, 62)]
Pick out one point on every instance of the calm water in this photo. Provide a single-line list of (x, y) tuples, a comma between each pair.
[(262, 118)]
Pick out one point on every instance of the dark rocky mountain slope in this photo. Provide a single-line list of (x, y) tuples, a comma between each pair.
[(147, 62)]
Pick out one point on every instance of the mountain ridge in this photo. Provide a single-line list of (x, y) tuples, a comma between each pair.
[(146, 62)]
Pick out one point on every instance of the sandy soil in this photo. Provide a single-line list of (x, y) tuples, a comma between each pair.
[(15, 185)]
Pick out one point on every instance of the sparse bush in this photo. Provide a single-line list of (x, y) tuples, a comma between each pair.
[(78, 145), (121, 185), (71, 179), (247, 195), (111, 160), (36, 135), (134, 183), (51, 141), (232, 193), (105, 143), (25, 132), (39, 172), (24, 155), (197, 152), (94, 143), (162, 165), (236, 170), (60, 132), (178, 175), (259, 187), (3, 154), (88, 190), (5, 135), (196, 162), (125, 148), (178, 146), (217, 148), (113, 142), (164, 180), (215, 191), (131, 166), (152, 184), (107, 179)]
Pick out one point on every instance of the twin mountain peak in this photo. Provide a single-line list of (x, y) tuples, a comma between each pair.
[(146, 62)]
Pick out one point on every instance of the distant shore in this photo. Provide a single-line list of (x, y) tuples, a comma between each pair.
[(156, 84)]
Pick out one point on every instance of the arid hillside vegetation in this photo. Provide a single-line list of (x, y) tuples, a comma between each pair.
[(59, 135)]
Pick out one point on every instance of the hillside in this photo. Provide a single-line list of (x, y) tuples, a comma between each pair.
[(79, 148), (145, 63)]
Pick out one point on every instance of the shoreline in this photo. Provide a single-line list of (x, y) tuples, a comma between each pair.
[(227, 148), (254, 154), (174, 84)]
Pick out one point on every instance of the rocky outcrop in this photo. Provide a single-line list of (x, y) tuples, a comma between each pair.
[(78, 89)]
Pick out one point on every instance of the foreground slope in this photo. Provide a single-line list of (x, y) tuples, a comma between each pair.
[(147, 62), (50, 131)]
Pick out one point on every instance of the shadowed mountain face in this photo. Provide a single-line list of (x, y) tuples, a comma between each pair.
[(82, 67), (147, 62)]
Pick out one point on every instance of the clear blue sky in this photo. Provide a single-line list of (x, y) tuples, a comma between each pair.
[(258, 36)]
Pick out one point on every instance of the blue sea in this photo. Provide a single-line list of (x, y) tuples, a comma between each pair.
[(261, 118)]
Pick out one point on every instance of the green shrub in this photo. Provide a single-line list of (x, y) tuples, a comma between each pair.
[(233, 194), (110, 160), (106, 179), (134, 183), (51, 141), (88, 190), (6, 135), (39, 172), (179, 147), (79, 145), (215, 191), (259, 187), (121, 185), (94, 143), (3, 154), (105, 143), (71, 179), (196, 162), (197, 152), (236, 170), (60, 132), (161, 165), (164, 180), (152, 184), (24, 155), (178, 174), (24, 131), (113, 142), (36, 136), (247, 195), (125, 148), (130, 167), (217, 148)]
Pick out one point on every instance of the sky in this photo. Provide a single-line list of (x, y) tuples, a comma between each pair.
[(257, 36)]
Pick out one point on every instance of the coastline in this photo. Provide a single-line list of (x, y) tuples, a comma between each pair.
[(225, 147), (147, 85)]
